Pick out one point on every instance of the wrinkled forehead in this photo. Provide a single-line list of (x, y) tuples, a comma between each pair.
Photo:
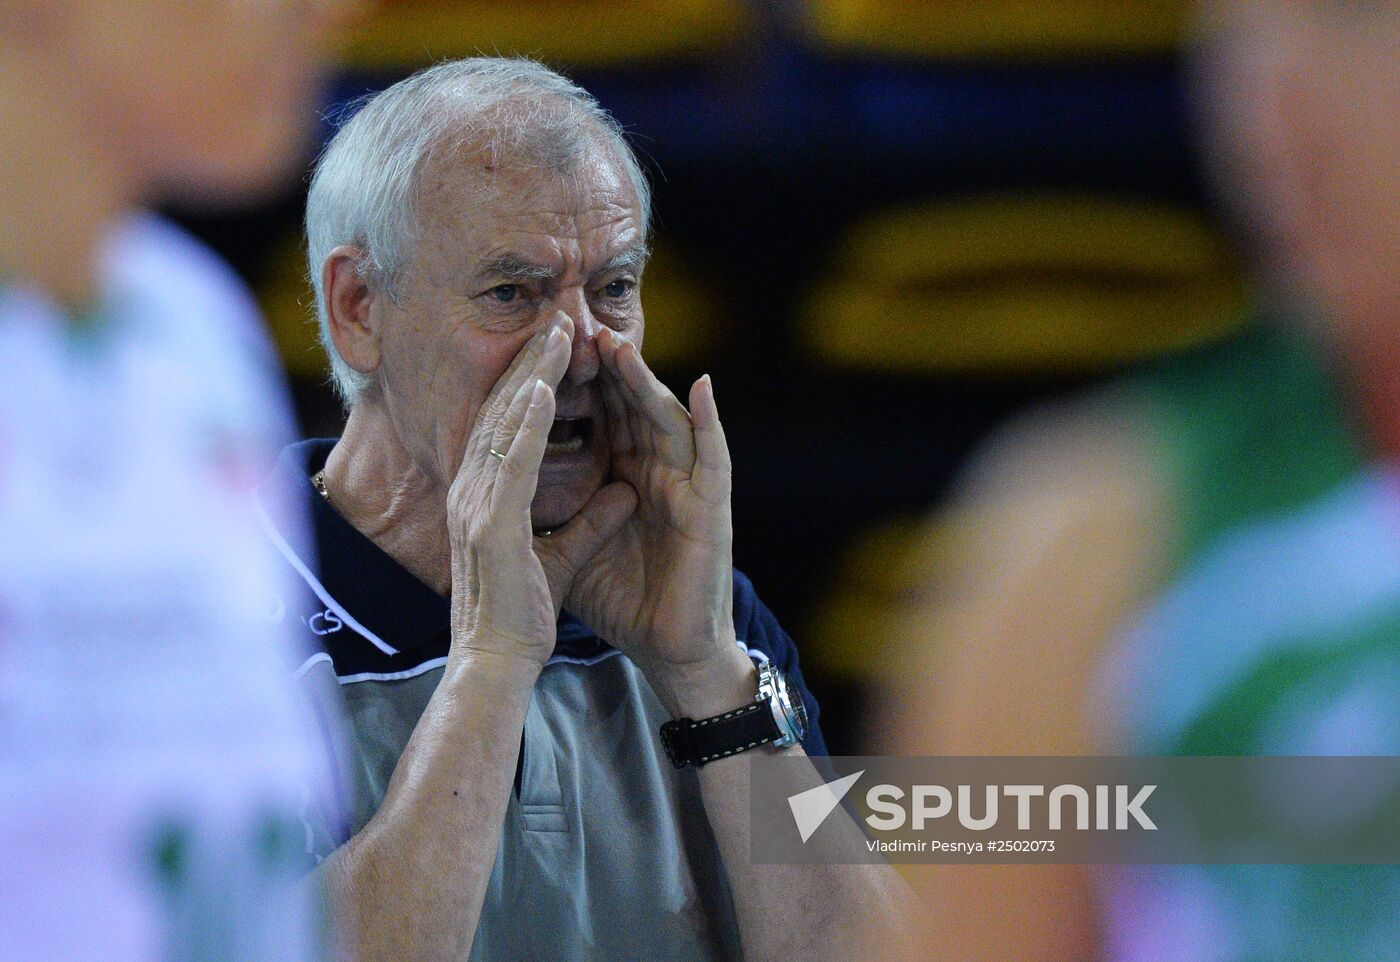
[(473, 198)]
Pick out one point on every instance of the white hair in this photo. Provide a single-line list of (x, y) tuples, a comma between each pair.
[(365, 185)]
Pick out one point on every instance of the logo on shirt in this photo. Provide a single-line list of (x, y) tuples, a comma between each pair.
[(324, 622)]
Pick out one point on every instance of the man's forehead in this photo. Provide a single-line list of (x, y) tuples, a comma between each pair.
[(467, 184), (538, 221)]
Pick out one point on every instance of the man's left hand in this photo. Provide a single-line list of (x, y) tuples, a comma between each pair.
[(661, 589)]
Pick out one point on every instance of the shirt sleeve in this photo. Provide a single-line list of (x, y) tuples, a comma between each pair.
[(760, 632), (327, 808)]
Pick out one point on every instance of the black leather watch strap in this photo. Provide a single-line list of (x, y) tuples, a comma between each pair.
[(690, 742)]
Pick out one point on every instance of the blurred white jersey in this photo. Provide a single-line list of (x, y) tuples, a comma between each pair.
[(153, 762)]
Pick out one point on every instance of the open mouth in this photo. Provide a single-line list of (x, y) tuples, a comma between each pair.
[(569, 435)]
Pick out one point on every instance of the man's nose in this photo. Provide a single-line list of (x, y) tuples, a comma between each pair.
[(583, 364)]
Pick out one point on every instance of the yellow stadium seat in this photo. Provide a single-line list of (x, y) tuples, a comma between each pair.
[(684, 316), (852, 637), (973, 28), (1010, 285), (285, 298), (406, 34)]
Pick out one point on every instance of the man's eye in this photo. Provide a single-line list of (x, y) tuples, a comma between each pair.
[(504, 293), (618, 289)]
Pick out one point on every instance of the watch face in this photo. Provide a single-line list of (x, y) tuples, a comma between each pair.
[(799, 714), (795, 709)]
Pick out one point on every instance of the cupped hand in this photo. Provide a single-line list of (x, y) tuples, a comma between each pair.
[(503, 600), (661, 587)]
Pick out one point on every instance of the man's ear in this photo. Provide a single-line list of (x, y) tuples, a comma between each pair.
[(349, 299)]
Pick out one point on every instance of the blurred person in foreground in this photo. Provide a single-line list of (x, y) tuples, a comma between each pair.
[(1205, 560), (525, 596), (153, 764)]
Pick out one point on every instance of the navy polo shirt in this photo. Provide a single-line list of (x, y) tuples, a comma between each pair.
[(605, 851), (377, 621)]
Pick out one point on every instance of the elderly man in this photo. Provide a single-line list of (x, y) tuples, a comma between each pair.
[(525, 561)]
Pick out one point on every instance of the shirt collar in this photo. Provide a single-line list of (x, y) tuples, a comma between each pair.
[(386, 599)]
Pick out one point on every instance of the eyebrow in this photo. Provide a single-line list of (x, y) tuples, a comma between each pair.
[(514, 267), (517, 267), (633, 259)]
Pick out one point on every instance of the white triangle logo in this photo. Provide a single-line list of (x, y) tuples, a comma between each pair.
[(810, 808)]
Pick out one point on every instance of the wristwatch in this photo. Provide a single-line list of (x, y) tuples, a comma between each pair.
[(776, 716)]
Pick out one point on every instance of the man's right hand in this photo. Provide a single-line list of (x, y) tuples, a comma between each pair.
[(504, 601), (501, 599)]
